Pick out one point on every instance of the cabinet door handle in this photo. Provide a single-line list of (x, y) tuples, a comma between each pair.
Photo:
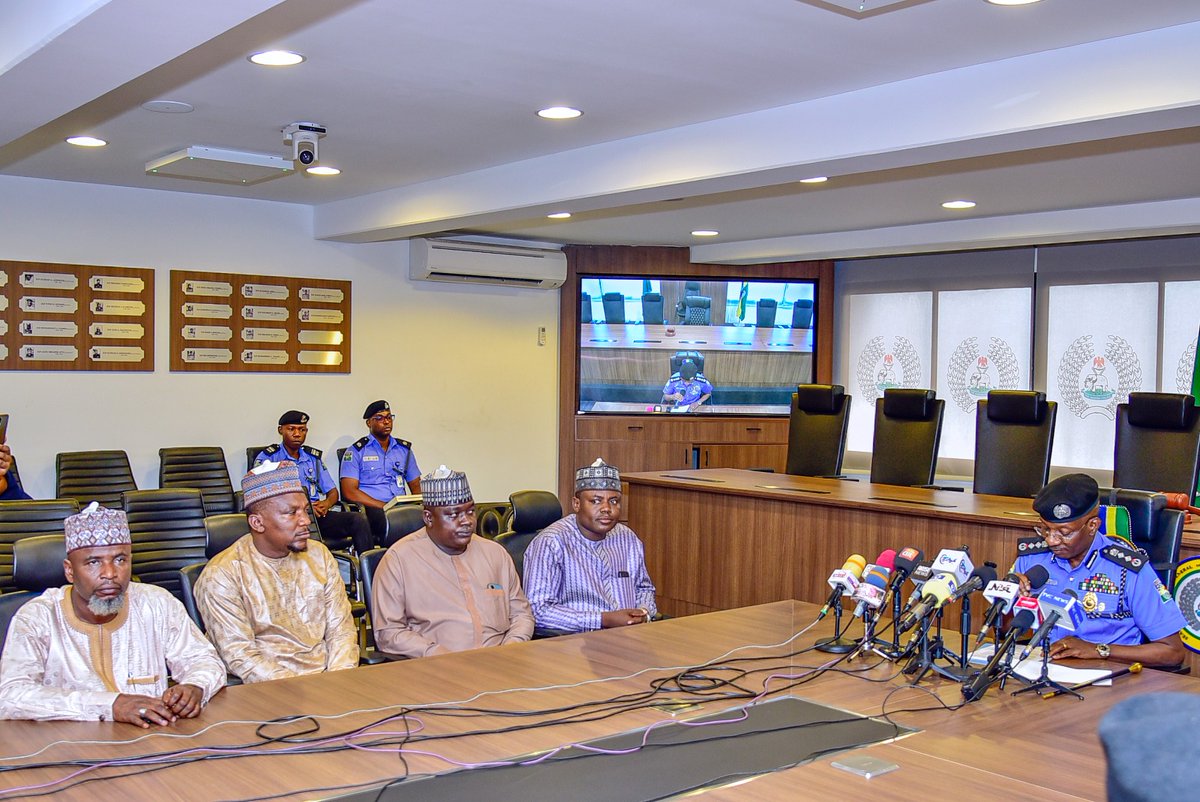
[(635, 428), (754, 428)]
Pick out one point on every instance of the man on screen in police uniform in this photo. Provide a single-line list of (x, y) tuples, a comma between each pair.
[(1123, 600), (378, 467), (318, 484)]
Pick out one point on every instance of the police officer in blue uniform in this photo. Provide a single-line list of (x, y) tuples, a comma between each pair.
[(1124, 602), (378, 467), (335, 525), (687, 388)]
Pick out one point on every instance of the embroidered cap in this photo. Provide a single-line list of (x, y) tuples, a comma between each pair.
[(598, 476), (271, 479), (97, 526), (1068, 498), (293, 417), (374, 408), (445, 488)]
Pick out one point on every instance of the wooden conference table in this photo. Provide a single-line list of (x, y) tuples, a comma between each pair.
[(717, 539), (1001, 747)]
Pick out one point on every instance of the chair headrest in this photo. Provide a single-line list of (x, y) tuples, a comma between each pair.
[(699, 301), (222, 531), (652, 296), (1016, 406), (1142, 507), (908, 404), (820, 399), (1162, 410), (534, 510), (38, 562), (804, 303)]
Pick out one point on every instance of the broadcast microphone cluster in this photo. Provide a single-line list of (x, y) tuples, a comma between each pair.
[(935, 593), (1057, 610), (1003, 595)]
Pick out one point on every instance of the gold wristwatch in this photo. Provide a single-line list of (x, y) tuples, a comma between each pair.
[(1103, 650)]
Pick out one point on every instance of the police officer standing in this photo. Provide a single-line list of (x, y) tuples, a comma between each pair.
[(378, 467), (1129, 615), (318, 484)]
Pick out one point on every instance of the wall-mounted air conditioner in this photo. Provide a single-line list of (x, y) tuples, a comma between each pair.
[(485, 263)]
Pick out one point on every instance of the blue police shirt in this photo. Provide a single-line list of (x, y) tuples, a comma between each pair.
[(381, 475), (14, 491), (1121, 602), (313, 473), (693, 392)]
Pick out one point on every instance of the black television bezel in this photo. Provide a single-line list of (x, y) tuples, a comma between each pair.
[(577, 291)]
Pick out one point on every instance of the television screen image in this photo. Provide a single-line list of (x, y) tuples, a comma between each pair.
[(691, 347)]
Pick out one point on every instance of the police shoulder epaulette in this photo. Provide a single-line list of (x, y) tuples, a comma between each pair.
[(316, 452), (271, 449), (1125, 556), (361, 443), (1031, 545), (404, 443)]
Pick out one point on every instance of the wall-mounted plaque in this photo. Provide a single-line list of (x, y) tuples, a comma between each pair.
[(282, 325), (52, 316)]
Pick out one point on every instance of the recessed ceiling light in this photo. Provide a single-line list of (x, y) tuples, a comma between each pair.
[(959, 204), (86, 141), (816, 179), (705, 232), (559, 113), (559, 215), (276, 58), (323, 169), (1012, 2)]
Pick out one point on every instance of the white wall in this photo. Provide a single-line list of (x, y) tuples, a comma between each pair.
[(460, 364)]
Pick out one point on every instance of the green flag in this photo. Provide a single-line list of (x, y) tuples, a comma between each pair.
[(743, 294)]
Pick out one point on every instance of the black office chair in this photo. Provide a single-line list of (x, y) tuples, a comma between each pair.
[(492, 518), (679, 357), (1014, 435), (697, 310), (369, 561), (764, 312), (402, 520), (817, 430), (88, 476), (652, 309), (22, 519), (1158, 443), (201, 467), (802, 314), (37, 565), (533, 511), (585, 307), (168, 533), (614, 307), (908, 431), (251, 453), (1153, 528)]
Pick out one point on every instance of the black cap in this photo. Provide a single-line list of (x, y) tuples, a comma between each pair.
[(375, 407), (1068, 498), (293, 417)]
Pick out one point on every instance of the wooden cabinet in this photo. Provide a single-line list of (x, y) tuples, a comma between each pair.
[(742, 455)]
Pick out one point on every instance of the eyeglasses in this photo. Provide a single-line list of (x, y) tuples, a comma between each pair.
[(382, 418), (1047, 533)]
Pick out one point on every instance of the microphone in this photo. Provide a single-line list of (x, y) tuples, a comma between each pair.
[(980, 578), (919, 577), (1057, 610), (874, 584), (907, 560), (936, 592), (844, 581), (1003, 595), (1021, 623), (955, 562)]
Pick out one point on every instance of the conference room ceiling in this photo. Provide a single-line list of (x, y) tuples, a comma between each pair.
[(697, 113)]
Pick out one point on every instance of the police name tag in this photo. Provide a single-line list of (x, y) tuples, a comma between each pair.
[(371, 458)]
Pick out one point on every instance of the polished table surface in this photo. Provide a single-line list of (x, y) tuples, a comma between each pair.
[(718, 539), (1001, 747), (694, 338)]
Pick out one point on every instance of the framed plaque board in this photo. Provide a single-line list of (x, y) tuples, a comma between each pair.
[(226, 322), (76, 317)]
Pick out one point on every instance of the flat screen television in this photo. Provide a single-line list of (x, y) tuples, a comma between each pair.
[(694, 346)]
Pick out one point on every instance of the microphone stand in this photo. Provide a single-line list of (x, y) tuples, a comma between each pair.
[(929, 650), (1044, 680), (837, 644)]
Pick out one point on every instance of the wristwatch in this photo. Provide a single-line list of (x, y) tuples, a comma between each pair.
[(1103, 650)]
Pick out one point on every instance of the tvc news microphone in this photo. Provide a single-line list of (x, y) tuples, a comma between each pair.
[(845, 580), (873, 588), (1058, 610)]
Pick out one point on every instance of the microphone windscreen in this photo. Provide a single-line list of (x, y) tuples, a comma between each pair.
[(886, 559), (986, 574), (1037, 576), (940, 587), (1022, 621), (855, 564), (908, 558)]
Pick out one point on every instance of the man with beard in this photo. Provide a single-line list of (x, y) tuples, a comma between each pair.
[(378, 467), (97, 649), (444, 588), (588, 570), (1129, 615), (273, 603)]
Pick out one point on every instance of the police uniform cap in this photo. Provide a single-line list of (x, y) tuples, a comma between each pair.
[(293, 417), (1068, 498), (687, 370), (375, 407)]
